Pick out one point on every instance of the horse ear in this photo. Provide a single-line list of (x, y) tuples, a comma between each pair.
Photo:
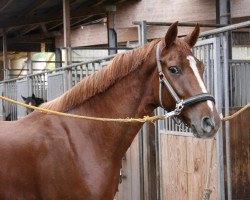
[(192, 38), (24, 98), (33, 96), (171, 35)]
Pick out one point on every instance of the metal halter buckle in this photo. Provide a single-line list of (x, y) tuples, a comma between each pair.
[(178, 108)]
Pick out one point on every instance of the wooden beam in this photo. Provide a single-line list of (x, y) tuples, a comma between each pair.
[(4, 4), (97, 3), (26, 47), (83, 12), (76, 23), (29, 28), (32, 7), (34, 38), (55, 25)]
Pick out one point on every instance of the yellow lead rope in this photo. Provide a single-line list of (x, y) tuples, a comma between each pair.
[(126, 120), (237, 113)]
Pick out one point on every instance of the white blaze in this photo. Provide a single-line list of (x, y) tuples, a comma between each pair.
[(193, 66)]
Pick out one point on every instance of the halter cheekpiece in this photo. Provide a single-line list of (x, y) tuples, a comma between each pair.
[(180, 103)]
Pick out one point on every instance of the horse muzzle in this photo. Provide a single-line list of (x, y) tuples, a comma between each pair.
[(207, 127)]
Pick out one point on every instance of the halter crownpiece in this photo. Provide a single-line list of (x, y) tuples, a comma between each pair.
[(180, 103)]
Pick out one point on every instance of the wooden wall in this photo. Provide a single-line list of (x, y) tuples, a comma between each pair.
[(240, 155), (157, 10), (184, 165)]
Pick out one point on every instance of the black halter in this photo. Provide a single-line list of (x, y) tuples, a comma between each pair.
[(180, 103)]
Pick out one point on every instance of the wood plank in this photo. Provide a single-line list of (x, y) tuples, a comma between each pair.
[(240, 154), (244, 122), (135, 169), (4, 4), (240, 158), (213, 182), (196, 165), (174, 167), (129, 189)]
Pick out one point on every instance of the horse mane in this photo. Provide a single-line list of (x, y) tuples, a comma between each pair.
[(98, 82)]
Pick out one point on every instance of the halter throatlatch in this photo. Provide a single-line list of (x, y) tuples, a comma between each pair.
[(180, 103)]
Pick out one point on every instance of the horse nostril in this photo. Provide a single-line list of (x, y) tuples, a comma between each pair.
[(207, 124)]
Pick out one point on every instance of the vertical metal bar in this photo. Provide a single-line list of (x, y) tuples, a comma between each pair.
[(158, 159), (69, 78), (75, 75), (208, 67), (144, 33), (30, 79), (35, 85), (226, 105), (39, 85), (87, 69), (44, 88), (141, 164), (111, 29), (225, 18), (15, 97), (139, 35), (66, 80), (213, 66), (92, 68), (143, 136), (81, 73), (219, 136), (230, 83), (66, 31), (5, 63)]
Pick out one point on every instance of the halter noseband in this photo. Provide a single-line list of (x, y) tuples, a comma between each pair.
[(180, 103)]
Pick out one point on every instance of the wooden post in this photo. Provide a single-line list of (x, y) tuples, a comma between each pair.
[(111, 29), (66, 31)]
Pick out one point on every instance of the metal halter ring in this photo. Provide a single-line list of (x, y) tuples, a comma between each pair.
[(179, 107)]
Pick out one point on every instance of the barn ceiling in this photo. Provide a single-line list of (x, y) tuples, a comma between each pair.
[(28, 23)]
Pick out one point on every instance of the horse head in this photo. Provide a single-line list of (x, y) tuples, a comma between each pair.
[(33, 101), (178, 67)]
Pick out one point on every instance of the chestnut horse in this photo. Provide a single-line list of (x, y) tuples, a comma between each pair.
[(46, 156)]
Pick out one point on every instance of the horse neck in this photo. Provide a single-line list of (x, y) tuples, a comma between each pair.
[(130, 97)]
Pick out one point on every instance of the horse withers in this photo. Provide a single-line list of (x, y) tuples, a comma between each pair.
[(52, 157)]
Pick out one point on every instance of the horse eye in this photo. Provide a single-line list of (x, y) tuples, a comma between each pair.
[(174, 70)]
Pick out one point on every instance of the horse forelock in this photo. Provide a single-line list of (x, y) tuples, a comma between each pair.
[(98, 82)]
